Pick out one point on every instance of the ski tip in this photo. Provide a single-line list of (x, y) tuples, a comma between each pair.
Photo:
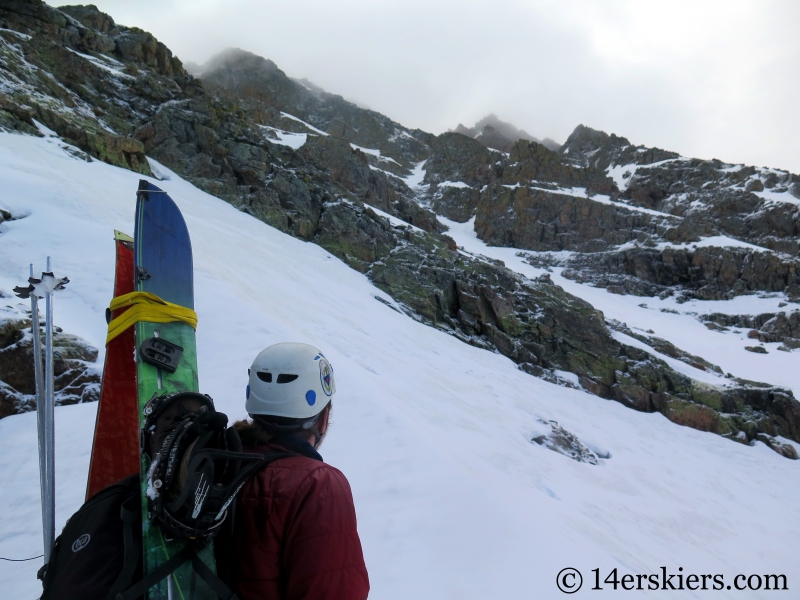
[(122, 237), (146, 188)]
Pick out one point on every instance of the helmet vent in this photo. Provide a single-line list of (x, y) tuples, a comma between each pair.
[(264, 376), (286, 378)]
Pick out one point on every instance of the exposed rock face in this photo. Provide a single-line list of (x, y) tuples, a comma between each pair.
[(706, 273), (781, 327), (76, 379), (589, 147), (540, 219), (535, 206), (457, 158), (455, 202), (542, 328), (532, 162), (781, 447), (665, 347), (78, 73), (332, 160), (756, 349), (455, 171)]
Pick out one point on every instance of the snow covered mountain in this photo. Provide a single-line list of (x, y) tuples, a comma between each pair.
[(453, 496), (462, 292), (632, 220)]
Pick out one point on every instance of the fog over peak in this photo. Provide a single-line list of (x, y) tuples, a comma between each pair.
[(500, 135)]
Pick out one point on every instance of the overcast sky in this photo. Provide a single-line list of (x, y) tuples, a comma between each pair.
[(706, 78)]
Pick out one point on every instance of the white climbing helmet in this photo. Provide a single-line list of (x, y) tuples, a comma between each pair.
[(290, 380)]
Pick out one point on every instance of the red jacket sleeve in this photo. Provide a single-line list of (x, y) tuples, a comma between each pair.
[(322, 553)]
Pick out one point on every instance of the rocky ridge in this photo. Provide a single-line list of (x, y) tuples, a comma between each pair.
[(320, 168), (266, 93)]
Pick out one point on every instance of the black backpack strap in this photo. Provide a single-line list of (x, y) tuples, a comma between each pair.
[(223, 543), (130, 513), (188, 553), (214, 582), (259, 461), (160, 573)]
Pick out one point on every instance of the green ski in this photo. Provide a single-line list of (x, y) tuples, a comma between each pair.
[(163, 268)]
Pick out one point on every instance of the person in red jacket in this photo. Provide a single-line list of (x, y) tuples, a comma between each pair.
[(294, 534)]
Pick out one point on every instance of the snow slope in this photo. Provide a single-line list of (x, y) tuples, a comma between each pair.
[(452, 498)]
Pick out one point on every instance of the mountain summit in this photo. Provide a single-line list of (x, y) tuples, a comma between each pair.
[(501, 135)]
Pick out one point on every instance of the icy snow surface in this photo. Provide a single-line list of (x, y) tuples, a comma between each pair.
[(777, 196), (454, 184), (374, 152), (617, 172), (713, 241), (453, 500), (24, 36), (102, 63), (286, 138), (394, 220), (311, 127), (579, 192), (723, 241), (414, 181)]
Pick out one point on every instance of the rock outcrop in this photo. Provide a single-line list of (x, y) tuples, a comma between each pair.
[(783, 327), (456, 170), (544, 219), (76, 377), (554, 437), (706, 273), (79, 74), (544, 330)]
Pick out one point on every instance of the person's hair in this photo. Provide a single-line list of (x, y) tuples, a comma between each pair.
[(255, 433)]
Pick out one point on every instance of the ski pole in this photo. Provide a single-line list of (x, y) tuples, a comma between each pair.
[(40, 405), (49, 427), (45, 398)]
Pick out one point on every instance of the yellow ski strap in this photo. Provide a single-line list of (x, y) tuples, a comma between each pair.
[(146, 307)]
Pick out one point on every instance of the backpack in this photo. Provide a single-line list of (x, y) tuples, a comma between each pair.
[(99, 550), (197, 468)]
